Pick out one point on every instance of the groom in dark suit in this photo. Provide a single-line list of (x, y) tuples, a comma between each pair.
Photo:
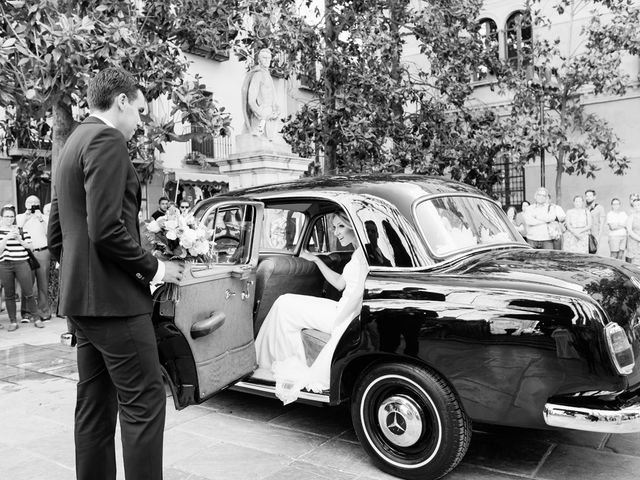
[(104, 286)]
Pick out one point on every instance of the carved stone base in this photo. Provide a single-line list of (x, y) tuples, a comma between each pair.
[(249, 169), (248, 142)]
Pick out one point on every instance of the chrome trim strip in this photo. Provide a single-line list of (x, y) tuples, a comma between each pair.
[(309, 396), (624, 420)]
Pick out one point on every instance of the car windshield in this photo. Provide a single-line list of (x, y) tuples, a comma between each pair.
[(455, 223)]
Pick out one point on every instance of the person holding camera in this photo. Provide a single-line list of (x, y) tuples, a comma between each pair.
[(14, 266), (33, 222)]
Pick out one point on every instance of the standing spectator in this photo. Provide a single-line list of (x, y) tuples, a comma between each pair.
[(184, 207), (542, 220), (14, 266), (633, 233), (520, 224), (617, 224), (598, 216), (578, 223), (34, 222), (163, 206)]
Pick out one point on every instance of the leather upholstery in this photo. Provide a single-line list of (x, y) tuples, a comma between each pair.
[(280, 274)]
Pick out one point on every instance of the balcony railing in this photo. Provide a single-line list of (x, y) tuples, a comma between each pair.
[(211, 147)]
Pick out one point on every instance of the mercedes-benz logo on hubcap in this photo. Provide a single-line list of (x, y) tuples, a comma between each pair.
[(396, 423)]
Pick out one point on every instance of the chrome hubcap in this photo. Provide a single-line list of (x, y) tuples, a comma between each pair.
[(400, 420)]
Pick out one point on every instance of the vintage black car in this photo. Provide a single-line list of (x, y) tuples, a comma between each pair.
[(461, 320)]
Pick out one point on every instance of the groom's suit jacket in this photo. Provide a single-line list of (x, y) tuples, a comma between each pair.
[(93, 227)]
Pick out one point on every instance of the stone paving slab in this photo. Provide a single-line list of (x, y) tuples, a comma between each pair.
[(226, 461), (239, 436), (298, 470), (628, 444), (568, 461), (256, 435), (346, 457), (520, 456)]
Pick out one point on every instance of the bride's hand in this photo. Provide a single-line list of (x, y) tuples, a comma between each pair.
[(308, 256)]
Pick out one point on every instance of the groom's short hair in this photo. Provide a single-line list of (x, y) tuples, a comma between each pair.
[(107, 84)]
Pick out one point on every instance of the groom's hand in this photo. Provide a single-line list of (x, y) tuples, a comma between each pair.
[(173, 272)]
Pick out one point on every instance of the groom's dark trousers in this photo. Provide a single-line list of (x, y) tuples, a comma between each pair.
[(118, 359)]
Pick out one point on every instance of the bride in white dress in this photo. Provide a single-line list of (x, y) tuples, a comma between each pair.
[(279, 344)]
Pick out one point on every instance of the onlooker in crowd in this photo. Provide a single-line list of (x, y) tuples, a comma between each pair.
[(14, 266), (184, 207), (598, 216), (163, 206), (578, 225), (556, 227), (520, 223), (617, 224), (34, 222), (104, 286), (543, 221), (633, 233)]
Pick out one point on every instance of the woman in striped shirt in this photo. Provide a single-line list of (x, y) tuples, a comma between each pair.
[(14, 266)]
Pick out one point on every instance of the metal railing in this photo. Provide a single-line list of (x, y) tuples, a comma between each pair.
[(211, 147)]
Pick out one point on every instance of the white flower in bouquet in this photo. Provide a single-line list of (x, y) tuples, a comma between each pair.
[(188, 238), (201, 247), (153, 226), (172, 234)]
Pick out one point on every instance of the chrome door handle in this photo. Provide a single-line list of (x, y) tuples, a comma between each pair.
[(228, 294)]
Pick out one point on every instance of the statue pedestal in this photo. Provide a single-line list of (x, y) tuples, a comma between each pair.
[(259, 167), (248, 142)]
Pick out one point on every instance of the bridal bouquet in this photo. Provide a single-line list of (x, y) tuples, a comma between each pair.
[(179, 237)]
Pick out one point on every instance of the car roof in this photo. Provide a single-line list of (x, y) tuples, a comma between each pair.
[(401, 190), (381, 185)]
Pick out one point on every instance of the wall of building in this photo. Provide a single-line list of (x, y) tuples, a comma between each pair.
[(7, 182)]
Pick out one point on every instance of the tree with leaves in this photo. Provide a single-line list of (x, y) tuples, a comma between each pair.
[(548, 91), (50, 48), (376, 111)]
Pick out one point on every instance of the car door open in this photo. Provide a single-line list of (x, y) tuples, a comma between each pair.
[(206, 338)]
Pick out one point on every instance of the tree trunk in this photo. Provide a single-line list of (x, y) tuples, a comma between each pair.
[(396, 8), (329, 100), (62, 127), (559, 172)]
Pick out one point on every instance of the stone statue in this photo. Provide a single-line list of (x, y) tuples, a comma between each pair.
[(259, 98)]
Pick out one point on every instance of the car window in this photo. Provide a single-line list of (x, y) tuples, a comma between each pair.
[(322, 239), (281, 229), (232, 231), (455, 223), (389, 241)]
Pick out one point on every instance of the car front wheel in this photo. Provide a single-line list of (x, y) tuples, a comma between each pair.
[(409, 421)]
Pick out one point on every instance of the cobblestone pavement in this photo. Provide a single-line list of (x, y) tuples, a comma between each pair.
[(240, 436)]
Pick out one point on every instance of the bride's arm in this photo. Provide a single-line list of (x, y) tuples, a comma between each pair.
[(334, 278), (351, 300)]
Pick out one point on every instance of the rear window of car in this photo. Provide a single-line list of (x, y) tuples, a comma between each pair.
[(454, 223), (281, 229)]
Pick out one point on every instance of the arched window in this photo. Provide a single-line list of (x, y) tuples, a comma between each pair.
[(489, 33), (519, 39)]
